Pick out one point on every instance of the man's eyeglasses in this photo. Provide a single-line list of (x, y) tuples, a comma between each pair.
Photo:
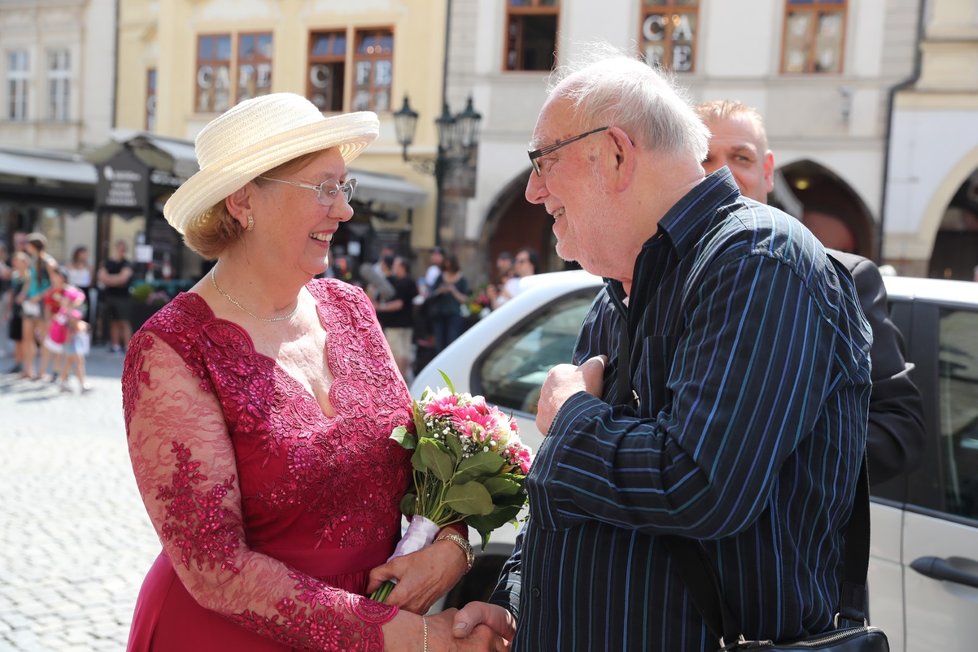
[(327, 191), (549, 149)]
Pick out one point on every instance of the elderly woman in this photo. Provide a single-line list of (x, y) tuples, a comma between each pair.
[(258, 408)]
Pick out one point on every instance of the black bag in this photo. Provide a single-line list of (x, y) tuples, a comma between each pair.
[(849, 639)]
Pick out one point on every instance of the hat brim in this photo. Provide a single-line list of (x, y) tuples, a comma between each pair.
[(350, 133)]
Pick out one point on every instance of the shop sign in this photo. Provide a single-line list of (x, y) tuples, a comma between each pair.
[(122, 182)]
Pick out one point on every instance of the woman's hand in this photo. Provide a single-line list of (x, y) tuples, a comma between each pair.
[(422, 576)]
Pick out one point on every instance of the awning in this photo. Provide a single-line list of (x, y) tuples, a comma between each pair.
[(387, 189), (171, 160), (182, 152), (42, 166), (181, 162)]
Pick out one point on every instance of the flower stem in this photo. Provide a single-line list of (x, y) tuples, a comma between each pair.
[(380, 595)]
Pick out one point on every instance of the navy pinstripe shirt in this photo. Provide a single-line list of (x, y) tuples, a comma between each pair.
[(750, 360)]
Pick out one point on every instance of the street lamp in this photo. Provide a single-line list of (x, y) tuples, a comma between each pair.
[(458, 138)]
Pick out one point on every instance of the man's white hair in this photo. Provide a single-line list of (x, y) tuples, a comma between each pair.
[(608, 87)]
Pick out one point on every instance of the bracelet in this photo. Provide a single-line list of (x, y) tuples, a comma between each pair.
[(464, 545), (424, 625)]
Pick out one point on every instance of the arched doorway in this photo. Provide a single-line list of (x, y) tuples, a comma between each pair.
[(513, 223), (831, 209), (955, 253)]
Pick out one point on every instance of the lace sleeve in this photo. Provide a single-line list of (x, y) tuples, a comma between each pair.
[(185, 469)]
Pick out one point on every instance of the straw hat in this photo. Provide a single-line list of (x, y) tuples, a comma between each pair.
[(255, 136)]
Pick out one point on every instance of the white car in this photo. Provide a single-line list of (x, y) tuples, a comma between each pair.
[(923, 574)]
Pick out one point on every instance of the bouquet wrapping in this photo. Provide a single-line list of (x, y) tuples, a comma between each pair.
[(469, 466)]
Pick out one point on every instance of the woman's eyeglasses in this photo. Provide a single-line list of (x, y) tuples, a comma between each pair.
[(549, 149), (327, 191)]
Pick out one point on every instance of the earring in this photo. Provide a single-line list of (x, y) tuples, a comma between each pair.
[(251, 223)]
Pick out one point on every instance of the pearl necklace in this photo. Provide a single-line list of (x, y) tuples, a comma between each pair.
[(240, 307)]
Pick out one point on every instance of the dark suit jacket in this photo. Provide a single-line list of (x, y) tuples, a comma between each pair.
[(896, 423)]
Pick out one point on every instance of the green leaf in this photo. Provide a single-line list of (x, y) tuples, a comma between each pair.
[(433, 456), (408, 504), (404, 438), (500, 485), (418, 413), (448, 382), (479, 465), (485, 525), (469, 498), (454, 445)]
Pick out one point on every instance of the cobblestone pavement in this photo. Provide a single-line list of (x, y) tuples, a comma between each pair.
[(75, 540)]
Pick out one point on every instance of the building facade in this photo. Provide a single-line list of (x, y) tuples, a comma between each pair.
[(824, 74), (57, 72), (183, 62), (931, 198)]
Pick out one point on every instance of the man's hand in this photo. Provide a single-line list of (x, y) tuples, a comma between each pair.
[(497, 619), (565, 380), (406, 632)]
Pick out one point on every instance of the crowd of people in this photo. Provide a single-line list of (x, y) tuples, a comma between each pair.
[(43, 306), (421, 316), (424, 315)]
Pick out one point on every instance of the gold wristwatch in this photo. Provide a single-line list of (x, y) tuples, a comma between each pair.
[(462, 543)]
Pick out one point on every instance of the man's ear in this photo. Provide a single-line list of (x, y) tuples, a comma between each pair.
[(769, 171), (625, 157), (238, 204)]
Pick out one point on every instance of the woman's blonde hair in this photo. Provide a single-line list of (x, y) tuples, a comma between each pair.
[(214, 232), (217, 229)]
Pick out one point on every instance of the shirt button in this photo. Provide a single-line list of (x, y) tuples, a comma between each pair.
[(535, 592)]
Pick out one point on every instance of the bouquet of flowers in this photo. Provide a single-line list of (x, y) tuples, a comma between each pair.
[(469, 465)]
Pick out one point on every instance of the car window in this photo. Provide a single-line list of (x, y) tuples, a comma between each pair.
[(516, 366), (958, 410)]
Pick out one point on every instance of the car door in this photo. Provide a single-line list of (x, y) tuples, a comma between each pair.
[(939, 555)]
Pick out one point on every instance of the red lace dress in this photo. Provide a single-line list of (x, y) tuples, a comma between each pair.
[(270, 512)]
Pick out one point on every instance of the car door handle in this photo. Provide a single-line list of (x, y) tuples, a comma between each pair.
[(939, 569)]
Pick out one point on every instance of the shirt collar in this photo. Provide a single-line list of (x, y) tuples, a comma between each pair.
[(686, 221)]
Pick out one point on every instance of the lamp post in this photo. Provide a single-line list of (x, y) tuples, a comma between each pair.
[(458, 139)]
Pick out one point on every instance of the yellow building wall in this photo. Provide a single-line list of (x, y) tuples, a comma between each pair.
[(163, 35)]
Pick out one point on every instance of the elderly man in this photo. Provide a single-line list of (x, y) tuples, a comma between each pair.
[(719, 391), (896, 424)]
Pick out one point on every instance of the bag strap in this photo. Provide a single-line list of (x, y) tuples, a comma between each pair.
[(698, 573)]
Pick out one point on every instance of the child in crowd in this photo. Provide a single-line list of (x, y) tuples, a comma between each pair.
[(52, 302), (64, 302), (76, 346)]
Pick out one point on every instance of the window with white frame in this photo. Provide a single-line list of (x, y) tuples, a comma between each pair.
[(18, 84), (59, 85)]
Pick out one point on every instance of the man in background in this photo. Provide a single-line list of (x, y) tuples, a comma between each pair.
[(114, 277), (896, 428), (396, 315)]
